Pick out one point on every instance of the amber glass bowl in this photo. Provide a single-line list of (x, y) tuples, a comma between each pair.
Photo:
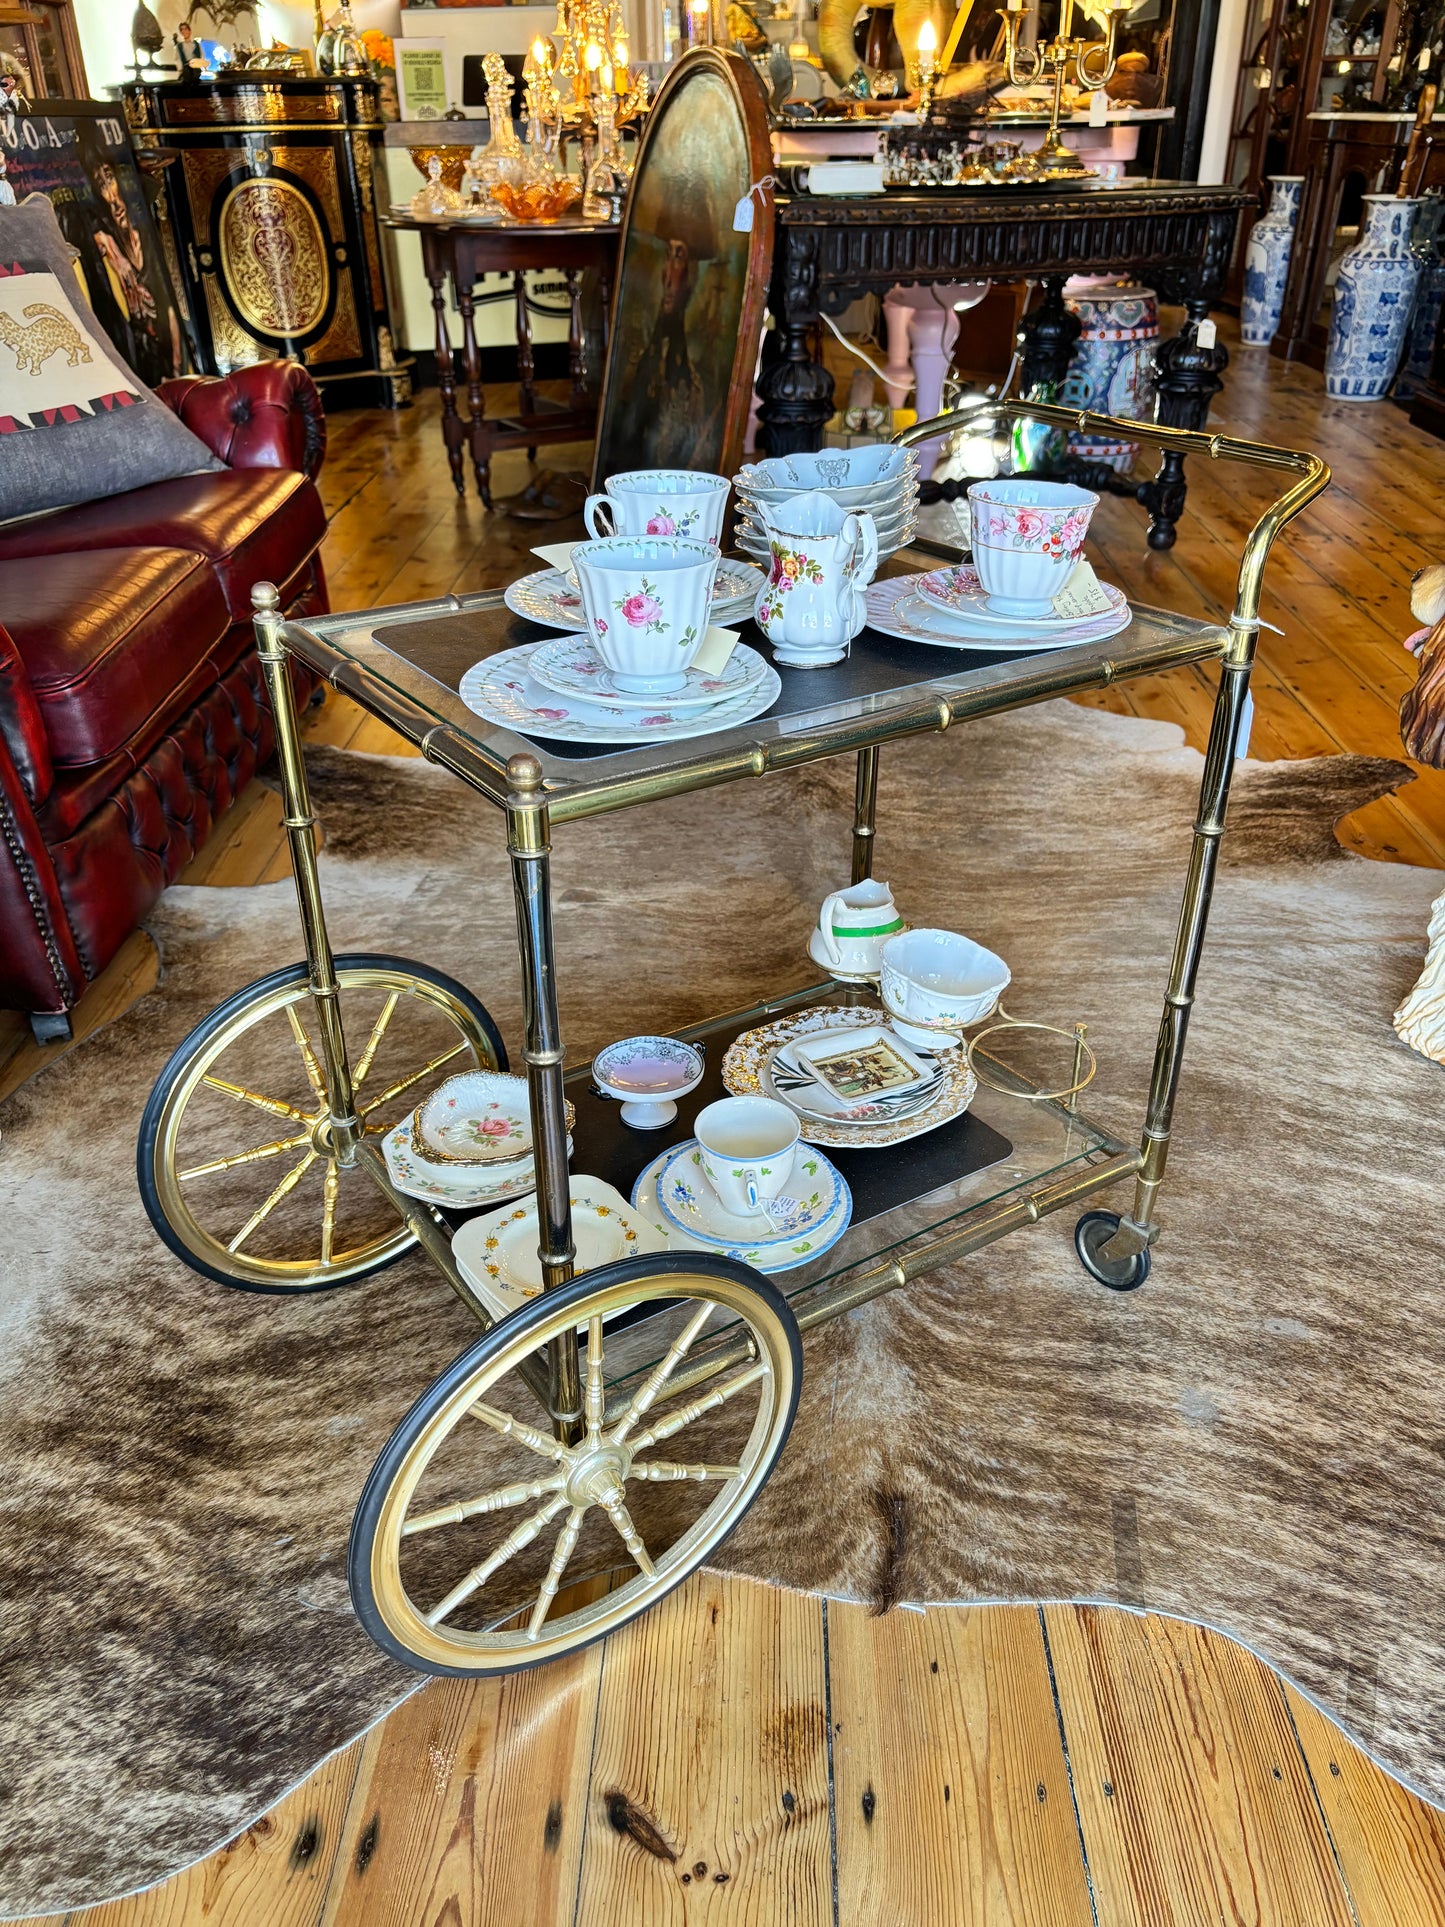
[(544, 202)]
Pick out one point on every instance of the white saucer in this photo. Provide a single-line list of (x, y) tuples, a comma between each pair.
[(957, 592), (501, 690), (808, 1200), (769, 1259), (895, 609), (576, 668), (546, 596)]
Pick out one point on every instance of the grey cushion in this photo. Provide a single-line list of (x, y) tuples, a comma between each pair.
[(75, 422)]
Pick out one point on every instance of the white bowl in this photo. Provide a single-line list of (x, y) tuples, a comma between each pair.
[(936, 980), (832, 468), (478, 1118)]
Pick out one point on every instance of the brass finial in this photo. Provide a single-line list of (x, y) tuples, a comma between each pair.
[(524, 772), (265, 598)]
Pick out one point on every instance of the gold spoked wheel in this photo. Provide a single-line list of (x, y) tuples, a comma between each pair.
[(234, 1159), (475, 1516)]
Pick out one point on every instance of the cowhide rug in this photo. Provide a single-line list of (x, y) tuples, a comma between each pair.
[(1256, 1439)]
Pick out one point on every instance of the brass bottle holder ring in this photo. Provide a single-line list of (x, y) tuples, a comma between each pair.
[(1075, 1036)]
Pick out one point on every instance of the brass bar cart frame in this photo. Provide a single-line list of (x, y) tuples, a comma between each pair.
[(577, 1406)]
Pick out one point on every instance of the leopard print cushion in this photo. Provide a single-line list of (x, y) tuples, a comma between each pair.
[(75, 422)]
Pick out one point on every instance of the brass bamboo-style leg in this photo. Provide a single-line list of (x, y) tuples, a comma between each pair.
[(1139, 1229), (865, 808), (529, 844), (346, 1127)]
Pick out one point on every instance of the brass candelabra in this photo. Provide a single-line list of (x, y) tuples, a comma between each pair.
[(1091, 60)]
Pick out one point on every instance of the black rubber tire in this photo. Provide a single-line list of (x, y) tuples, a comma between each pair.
[(186, 1049), (537, 1310), (1091, 1233)]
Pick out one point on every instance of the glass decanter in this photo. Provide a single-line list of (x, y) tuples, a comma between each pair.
[(606, 187), (502, 158), (348, 50), (436, 200)]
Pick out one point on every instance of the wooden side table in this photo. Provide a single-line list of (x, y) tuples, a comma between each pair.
[(461, 252)]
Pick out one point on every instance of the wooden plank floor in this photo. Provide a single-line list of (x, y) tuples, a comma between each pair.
[(752, 1756)]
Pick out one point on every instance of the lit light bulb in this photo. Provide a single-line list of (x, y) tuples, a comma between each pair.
[(620, 54), (927, 38), (700, 7), (541, 50), (606, 78), (1343, 68), (593, 56)]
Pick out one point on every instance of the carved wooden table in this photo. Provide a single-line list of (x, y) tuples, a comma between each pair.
[(829, 250), (461, 253)]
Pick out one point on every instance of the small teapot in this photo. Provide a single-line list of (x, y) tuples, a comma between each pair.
[(812, 605), (853, 926)]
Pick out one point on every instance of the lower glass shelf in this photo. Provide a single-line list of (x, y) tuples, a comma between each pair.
[(1008, 1159)]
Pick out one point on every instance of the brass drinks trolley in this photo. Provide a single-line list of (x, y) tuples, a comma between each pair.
[(664, 1386)]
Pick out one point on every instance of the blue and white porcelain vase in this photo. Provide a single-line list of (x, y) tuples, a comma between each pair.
[(1113, 365), (1428, 242), (1266, 261), (1374, 293)]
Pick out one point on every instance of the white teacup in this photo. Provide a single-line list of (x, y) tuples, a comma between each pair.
[(1026, 538), (937, 979), (747, 1145), (660, 501), (648, 602)]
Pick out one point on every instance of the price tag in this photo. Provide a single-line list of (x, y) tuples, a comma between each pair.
[(717, 646), (1098, 108), (1081, 595), (1423, 63), (557, 555), (1396, 61), (1206, 334)]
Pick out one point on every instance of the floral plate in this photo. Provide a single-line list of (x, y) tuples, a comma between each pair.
[(479, 1117), (783, 1255), (501, 691), (895, 609), (576, 668), (498, 1253), (461, 1186), (809, 1199), (958, 592), (748, 1069)]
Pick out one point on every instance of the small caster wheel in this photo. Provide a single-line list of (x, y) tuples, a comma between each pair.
[(1091, 1234)]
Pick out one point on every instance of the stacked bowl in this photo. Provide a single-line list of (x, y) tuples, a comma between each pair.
[(879, 480)]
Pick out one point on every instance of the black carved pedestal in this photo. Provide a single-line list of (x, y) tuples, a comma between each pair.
[(1176, 235)]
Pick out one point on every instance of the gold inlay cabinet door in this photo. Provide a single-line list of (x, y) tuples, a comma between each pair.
[(274, 257)]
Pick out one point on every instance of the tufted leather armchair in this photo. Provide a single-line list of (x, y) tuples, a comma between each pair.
[(132, 709)]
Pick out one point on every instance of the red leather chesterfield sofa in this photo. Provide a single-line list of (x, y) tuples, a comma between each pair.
[(132, 708)]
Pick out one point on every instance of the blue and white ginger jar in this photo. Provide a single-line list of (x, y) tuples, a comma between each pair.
[(1374, 293), (1266, 262), (1113, 365)]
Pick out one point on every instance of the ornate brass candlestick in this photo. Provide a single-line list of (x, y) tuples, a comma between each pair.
[(1091, 60)]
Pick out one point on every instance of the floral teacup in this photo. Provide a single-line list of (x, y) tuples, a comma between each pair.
[(647, 600), (660, 501), (1027, 537)]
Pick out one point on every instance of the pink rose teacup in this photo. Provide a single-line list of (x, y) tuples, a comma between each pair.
[(660, 501), (647, 600), (1026, 538)]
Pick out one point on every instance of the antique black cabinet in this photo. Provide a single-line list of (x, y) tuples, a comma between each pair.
[(272, 202)]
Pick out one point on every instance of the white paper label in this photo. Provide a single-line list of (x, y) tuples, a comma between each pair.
[(743, 215), (1423, 63), (1206, 334), (1081, 595), (1098, 108), (557, 555), (717, 646)]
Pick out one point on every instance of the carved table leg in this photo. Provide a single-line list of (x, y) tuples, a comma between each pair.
[(453, 433), (796, 391), (1187, 380), (476, 404)]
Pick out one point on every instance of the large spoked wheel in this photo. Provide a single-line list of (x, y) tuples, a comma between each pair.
[(266, 1206), (474, 1517)]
